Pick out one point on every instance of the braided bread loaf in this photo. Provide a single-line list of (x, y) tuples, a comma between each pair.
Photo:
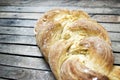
[(75, 46)]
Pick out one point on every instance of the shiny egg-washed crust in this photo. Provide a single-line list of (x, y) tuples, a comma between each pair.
[(75, 46)]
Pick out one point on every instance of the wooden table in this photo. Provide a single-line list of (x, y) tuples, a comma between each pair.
[(20, 58)]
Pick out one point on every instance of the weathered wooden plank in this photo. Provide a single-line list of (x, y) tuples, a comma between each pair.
[(16, 30), (111, 27), (106, 18), (20, 50), (27, 62), (92, 3), (17, 22), (84, 3), (17, 39), (114, 36), (117, 58), (46, 8), (99, 18), (20, 15), (116, 46), (24, 74)]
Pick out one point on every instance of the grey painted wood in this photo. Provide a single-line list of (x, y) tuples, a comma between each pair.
[(46, 8), (21, 61), (84, 3), (24, 74)]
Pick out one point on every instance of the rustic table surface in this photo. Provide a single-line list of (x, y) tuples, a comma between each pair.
[(20, 57)]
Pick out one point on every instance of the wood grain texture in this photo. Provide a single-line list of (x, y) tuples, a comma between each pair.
[(17, 22), (99, 18), (22, 61), (84, 3), (16, 30), (41, 9), (117, 58), (20, 15), (107, 18), (24, 74), (114, 36), (111, 27), (18, 39), (24, 50), (116, 46)]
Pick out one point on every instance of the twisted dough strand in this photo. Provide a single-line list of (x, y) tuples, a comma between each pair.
[(75, 46)]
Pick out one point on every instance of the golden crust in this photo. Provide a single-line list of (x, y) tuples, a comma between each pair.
[(75, 46), (115, 73)]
